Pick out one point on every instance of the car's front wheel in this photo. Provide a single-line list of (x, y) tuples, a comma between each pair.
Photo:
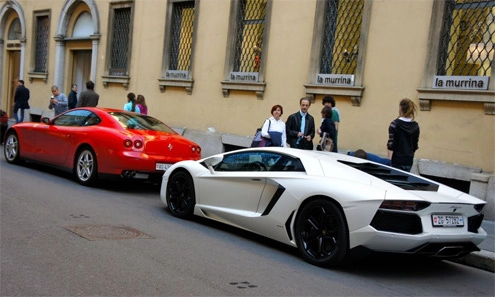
[(86, 166), (12, 149), (321, 234), (181, 197)]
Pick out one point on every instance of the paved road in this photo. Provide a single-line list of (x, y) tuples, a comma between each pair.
[(40, 255)]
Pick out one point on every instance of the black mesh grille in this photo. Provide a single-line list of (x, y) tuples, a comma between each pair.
[(249, 36), (182, 32), (41, 52), (467, 38), (340, 40), (397, 222)]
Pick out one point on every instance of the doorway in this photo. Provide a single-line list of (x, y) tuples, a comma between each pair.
[(81, 68), (14, 65)]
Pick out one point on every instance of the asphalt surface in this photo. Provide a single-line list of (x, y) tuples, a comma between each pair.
[(484, 259)]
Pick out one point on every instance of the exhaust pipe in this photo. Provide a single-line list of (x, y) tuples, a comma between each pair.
[(450, 251)]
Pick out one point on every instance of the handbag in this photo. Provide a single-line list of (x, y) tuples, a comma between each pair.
[(258, 140), (325, 144)]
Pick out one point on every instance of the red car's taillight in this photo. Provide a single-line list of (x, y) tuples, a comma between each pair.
[(128, 143), (196, 149), (138, 144)]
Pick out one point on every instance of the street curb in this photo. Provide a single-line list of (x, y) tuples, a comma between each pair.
[(483, 260)]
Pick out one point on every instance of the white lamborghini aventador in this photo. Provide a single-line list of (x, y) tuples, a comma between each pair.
[(326, 204)]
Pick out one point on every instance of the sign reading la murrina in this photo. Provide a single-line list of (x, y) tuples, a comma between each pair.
[(461, 82), (335, 79)]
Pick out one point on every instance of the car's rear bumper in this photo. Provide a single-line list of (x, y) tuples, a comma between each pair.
[(434, 244), (135, 164)]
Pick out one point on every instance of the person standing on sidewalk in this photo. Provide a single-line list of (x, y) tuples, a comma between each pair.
[(88, 97), (73, 96), (403, 136), (21, 98), (58, 101), (300, 127)]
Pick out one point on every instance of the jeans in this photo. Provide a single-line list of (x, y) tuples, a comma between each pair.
[(16, 116)]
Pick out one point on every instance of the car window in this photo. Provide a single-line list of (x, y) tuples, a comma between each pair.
[(92, 120), (72, 118), (253, 160), (138, 121)]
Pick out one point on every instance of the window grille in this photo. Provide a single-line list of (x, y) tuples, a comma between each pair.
[(41, 48), (467, 40), (341, 35), (120, 42), (249, 36), (181, 35)]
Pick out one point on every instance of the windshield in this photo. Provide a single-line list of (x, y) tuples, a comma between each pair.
[(138, 121)]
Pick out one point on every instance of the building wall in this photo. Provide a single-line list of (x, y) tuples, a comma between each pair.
[(451, 132)]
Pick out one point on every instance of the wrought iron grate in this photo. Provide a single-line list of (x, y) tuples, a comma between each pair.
[(341, 35), (249, 36), (120, 41), (468, 35), (181, 35), (41, 51)]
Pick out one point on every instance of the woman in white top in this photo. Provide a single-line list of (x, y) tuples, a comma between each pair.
[(276, 127)]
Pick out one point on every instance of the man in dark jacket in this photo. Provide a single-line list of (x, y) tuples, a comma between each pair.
[(300, 127), (73, 96), (88, 98), (21, 98)]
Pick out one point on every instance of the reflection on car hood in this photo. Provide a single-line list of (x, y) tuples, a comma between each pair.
[(166, 144)]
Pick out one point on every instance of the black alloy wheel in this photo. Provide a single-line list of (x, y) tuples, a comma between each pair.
[(181, 197), (321, 234)]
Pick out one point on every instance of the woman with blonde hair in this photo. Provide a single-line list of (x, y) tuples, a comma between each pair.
[(141, 103), (403, 136)]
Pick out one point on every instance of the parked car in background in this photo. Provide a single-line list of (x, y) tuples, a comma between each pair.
[(326, 204), (99, 142)]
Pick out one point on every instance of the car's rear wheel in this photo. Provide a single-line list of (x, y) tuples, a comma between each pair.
[(181, 197), (321, 234), (12, 148), (86, 166)]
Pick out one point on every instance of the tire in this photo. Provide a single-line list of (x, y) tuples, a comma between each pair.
[(181, 197), (12, 148), (86, 166), (321, 234)]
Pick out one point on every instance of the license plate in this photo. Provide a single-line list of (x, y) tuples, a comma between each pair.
[(447, 220), (162, 166)]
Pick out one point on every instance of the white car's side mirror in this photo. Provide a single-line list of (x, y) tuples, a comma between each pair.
[(210, 162)]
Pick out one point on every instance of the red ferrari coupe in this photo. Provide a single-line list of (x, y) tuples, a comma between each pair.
[(97, 142)]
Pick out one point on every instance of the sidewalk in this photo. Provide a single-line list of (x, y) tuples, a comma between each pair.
[(484, 259)]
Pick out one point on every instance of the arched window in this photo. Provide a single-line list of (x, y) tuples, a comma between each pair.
[(83, 26), (15, 30)]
